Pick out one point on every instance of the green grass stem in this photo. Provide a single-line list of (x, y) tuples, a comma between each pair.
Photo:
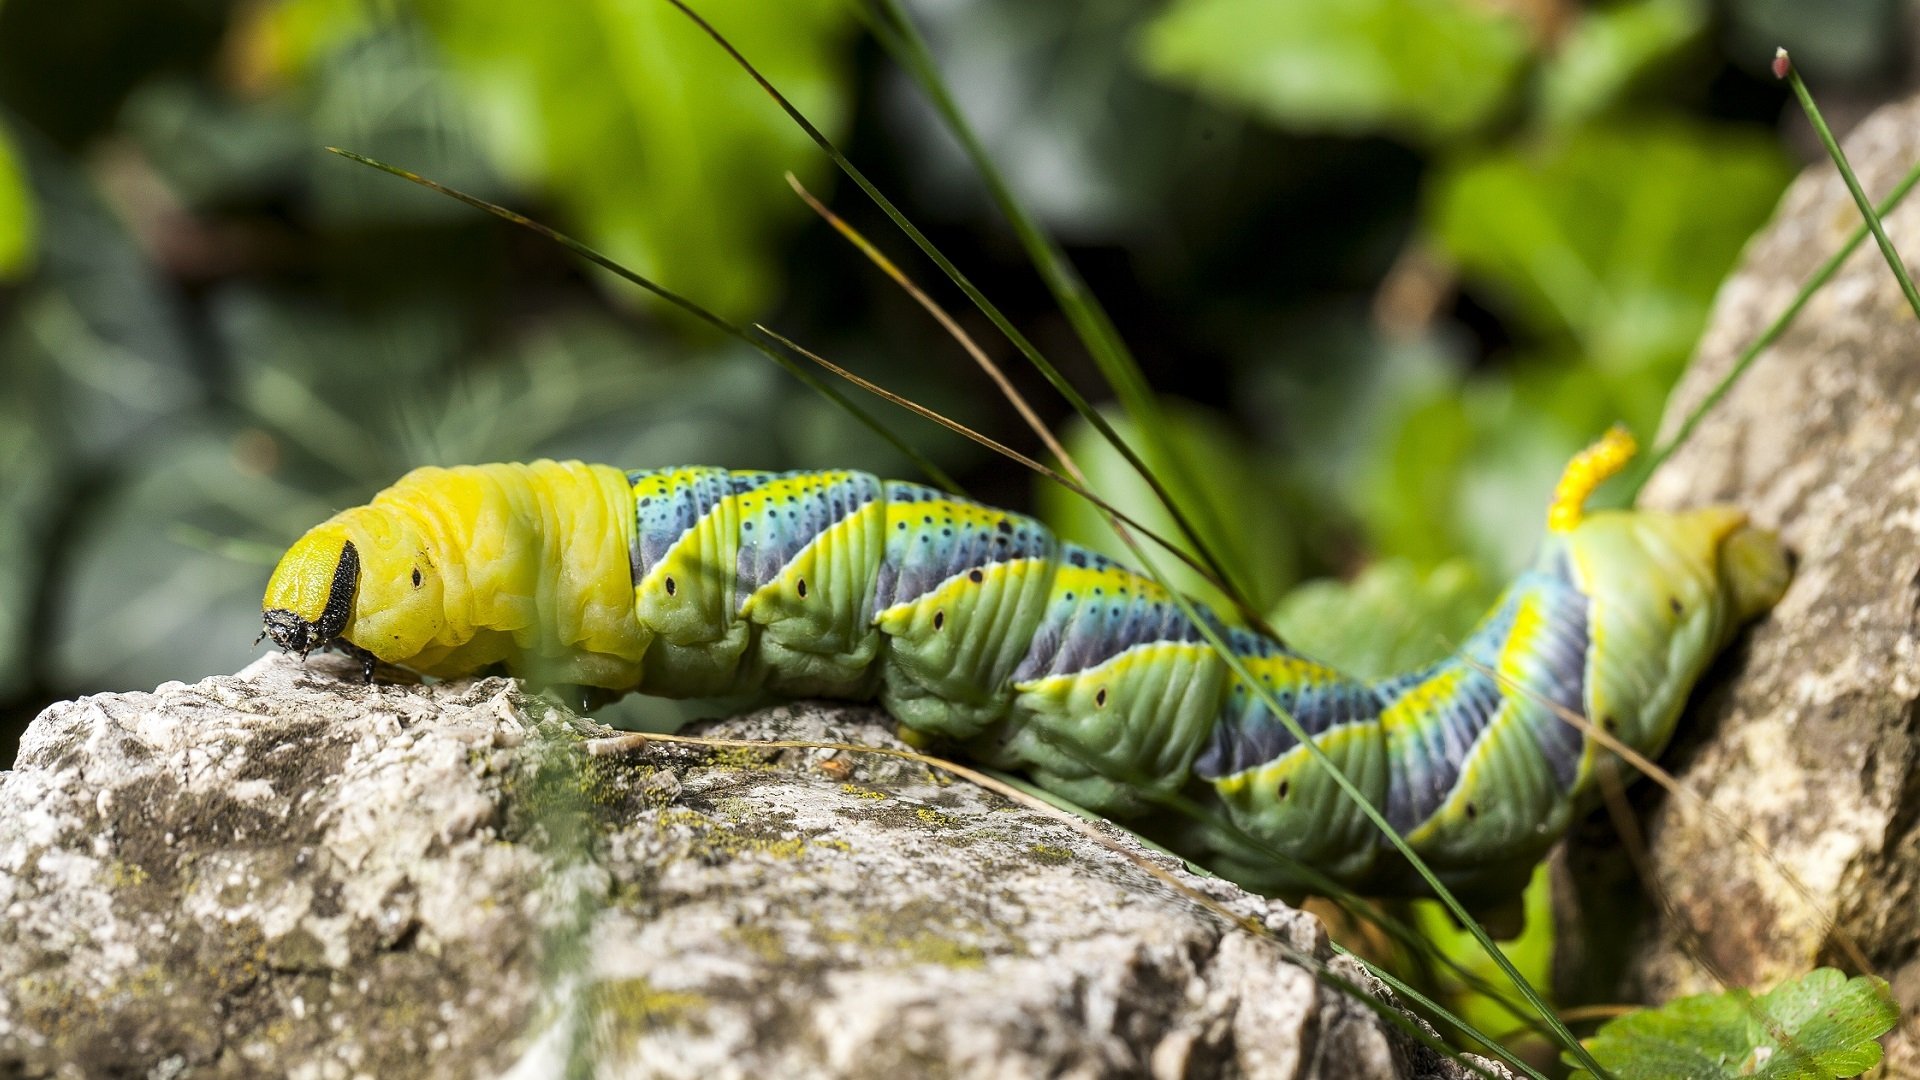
[(1645, 470), (986, 307), (1083, 309), (1853, 182)]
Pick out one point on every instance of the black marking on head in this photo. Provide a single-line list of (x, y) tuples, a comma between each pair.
[(295, 634), (346, 577)]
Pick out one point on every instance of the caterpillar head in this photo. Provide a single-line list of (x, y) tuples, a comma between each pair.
[(362, 579), (310, 596)]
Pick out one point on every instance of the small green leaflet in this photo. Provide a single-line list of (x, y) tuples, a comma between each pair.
[(1818, 1027)]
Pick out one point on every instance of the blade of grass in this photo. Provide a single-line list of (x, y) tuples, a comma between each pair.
[(1399, 986), (954, 330), (797, 370), (1783, 64), (1767, 337), (993, 313), (994, 445), (1083, 309)]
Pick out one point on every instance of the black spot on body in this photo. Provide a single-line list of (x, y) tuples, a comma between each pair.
[(801, 588), (939, 618), (670, 587), (416, 577), (976, 577)]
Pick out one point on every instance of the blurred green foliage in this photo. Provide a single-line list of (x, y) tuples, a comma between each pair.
[(1391, 262), (1819, 1026), (1612, 50), (1592, 219), (647, 137), (1431, 70), (16, 213)]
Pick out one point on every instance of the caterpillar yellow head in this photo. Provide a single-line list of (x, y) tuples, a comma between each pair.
[(310, 596), (361, 581)]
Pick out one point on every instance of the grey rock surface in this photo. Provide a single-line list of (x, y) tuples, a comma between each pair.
[(284, 872), (1812, 747)]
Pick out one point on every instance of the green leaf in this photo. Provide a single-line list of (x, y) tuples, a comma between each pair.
[(1427, 70), (1817, 1027), (1252, 529), (658, 150), (17, 227), (1393, 617), (1613, 238), (1612, 47)]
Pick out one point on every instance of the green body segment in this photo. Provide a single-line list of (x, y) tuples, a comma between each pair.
[(978, 626)]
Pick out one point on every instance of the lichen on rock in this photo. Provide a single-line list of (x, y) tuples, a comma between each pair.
[(284, 871)]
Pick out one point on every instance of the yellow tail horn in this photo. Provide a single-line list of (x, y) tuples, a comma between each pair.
[(1588, 470)]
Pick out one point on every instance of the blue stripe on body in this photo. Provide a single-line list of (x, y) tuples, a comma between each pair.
[(928, 545)]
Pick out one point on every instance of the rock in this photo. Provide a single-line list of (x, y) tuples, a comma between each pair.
[(286, 872), (1809, 740)]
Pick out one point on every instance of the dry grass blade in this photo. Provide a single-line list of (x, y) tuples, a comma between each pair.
[(933, 472), (1672, 785), (1613, 795), (994, 445), (1218, 571), (953, 328)]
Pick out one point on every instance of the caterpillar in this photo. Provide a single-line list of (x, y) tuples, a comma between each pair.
[(979, 627)]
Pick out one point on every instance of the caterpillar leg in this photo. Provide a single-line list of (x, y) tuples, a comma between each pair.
[(367, 659)]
